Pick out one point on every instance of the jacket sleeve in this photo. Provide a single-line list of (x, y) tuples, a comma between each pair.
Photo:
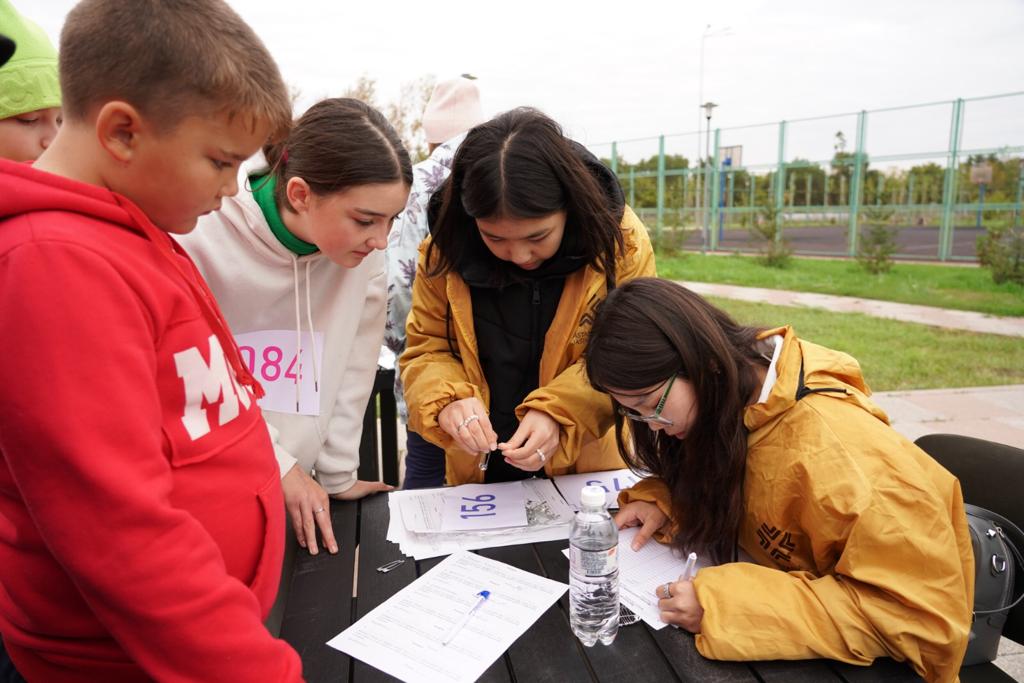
[(569, 398), (339, 458), (650, 490), (432, 376), (82, 440), (898, 587)]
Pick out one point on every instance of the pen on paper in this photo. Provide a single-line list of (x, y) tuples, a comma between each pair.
[(482, 597), (690, 568)]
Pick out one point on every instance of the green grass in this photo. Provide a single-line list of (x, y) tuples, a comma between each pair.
[(895, 355), (959, 287)]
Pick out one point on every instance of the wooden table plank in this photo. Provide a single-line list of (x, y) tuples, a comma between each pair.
[(633, 655), (320, 600), (799, 671), (548, 651), (884, 670)]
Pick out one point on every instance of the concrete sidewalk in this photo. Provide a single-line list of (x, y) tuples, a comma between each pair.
[(924, 315)]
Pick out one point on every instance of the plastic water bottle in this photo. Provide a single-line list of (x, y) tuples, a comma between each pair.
[(594, 571)]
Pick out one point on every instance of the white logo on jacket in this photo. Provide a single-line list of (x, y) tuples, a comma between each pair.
[(213, 382)]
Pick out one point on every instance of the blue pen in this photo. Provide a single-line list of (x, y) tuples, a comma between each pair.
[(466, 617)]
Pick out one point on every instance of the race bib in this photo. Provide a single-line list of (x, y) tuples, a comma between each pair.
[(273, 359)]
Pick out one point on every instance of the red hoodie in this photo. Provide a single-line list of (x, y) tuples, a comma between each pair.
[(141, 515)]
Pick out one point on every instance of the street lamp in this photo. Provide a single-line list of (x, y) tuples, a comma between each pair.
[(707, 107), (708, 33)]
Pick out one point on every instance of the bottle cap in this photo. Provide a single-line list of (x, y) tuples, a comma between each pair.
[(592, 496)]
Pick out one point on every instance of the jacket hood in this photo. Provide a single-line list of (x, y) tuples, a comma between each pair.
[(805, 368), (244, 215), (27, 190)]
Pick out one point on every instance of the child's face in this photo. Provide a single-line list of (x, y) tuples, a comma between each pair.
[(348, 225), (25, 136), (526, 242), (179, 175)]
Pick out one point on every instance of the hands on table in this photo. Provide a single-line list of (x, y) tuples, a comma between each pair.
[(677, 600)]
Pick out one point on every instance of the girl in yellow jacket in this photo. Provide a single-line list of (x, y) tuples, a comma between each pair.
[(761, 440), (528, 234)]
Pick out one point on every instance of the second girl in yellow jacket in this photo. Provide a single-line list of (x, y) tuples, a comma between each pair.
[(528, 235), (759, 439)]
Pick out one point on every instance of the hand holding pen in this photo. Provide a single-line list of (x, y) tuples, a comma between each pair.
[(678, 601)]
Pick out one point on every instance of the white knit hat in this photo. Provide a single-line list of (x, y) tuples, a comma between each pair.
[(454, 108)]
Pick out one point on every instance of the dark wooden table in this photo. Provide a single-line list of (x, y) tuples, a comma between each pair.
[(321, 605)]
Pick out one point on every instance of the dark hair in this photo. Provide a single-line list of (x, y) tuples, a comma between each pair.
[(169, 59), (338, 143), (520, 165), (645, 332)]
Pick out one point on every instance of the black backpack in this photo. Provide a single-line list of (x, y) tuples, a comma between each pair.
[(997, 543)]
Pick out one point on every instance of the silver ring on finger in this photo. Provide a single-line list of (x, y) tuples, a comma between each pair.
[(540, 454), (318, 510), (469, 419), (666, 590)]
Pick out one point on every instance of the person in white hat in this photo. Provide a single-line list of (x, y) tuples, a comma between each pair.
[(453, 109)]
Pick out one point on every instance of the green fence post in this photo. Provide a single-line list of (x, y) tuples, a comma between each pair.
[(856, 180), (780, 185), (752, 181), (807, 190), (792, 189), (661, 186), (730, 202), (632, 187), (949, 185), (716, 192), (615, 159), (824, 192), (1020, 192)]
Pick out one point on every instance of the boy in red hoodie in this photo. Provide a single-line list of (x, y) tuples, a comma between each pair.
[(141, 516)]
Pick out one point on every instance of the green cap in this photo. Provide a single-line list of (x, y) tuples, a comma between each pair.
[(28, 81)]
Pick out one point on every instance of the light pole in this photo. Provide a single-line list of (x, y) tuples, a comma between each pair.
[(707, 107), (708, 33)]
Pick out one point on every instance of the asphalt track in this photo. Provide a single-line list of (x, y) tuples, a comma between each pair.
[(917, 242)]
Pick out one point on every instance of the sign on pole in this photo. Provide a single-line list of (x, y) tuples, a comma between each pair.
[(731, 156)]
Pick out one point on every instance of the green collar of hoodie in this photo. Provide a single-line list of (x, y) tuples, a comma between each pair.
[(263, 193)]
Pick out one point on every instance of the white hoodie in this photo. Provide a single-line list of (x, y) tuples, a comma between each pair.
[(269, 295)]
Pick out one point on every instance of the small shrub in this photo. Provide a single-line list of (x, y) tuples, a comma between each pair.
[(1001, 250), (878, 241), (670, 241), (774, 251)]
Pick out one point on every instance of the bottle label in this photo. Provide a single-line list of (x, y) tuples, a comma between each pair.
[(594, 562)]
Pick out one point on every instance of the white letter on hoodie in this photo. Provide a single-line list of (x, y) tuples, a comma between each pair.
[(211, 382)]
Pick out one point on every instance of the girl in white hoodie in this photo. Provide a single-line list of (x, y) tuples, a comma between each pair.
[(296, 263)]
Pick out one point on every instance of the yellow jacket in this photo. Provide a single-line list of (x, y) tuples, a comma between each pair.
[(433, 378), (860, 538)]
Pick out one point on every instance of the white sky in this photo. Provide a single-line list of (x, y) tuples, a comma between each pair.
[(614, 71)]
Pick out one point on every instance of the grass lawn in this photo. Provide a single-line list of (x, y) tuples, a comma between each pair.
[(895, 355), (964, 288)]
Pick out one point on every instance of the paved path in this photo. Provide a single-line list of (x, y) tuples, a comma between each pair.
[(925, 315)]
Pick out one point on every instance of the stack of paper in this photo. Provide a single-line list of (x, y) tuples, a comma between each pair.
[(418, 517), (430, 631)]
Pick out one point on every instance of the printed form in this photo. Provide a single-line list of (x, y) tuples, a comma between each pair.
[(405, 635)]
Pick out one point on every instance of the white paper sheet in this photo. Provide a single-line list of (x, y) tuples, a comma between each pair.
[(613, 481), (642, 571), (403, 636), (473, 507)]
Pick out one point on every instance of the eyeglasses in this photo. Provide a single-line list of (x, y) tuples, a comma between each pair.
[(655, 417)]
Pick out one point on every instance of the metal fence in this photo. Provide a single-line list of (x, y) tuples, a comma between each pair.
[(939, 173)]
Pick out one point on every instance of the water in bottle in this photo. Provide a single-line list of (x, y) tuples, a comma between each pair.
[(594, 570)]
